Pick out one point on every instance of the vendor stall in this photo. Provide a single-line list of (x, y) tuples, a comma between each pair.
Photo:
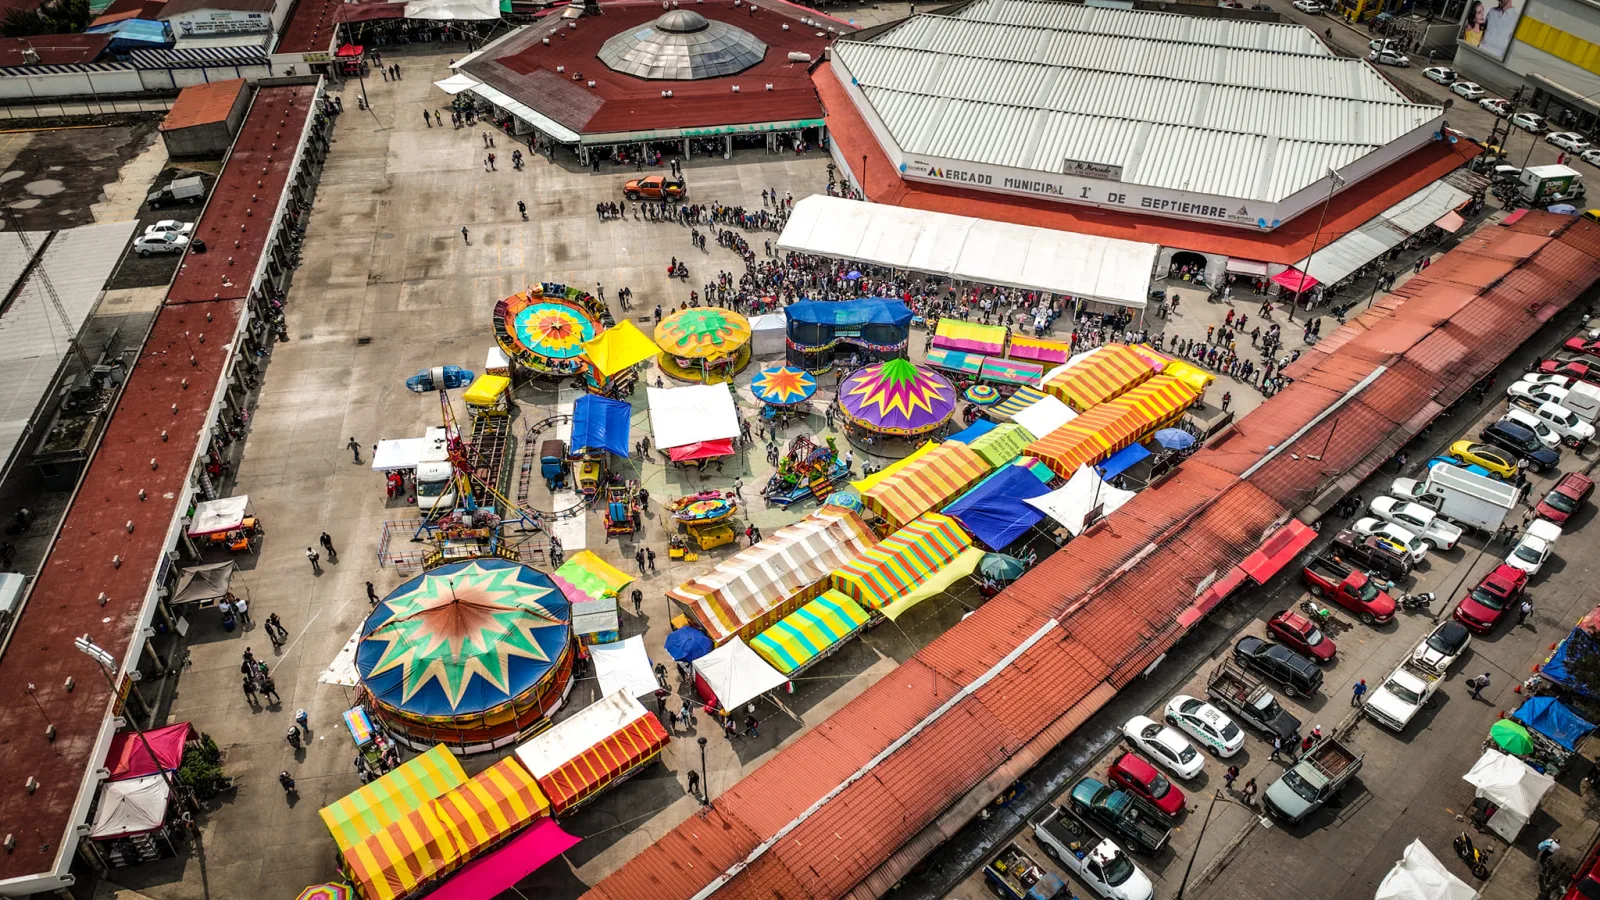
[(767, 334), (926, 484), (1511, 787), (1007, 409), (695, 414), (1110, 426), (706, 344), (733, 675), (1104, 374), (376, 805), (971, 433), (991, 512), (624, 666), (1554, 731), (1045, 416), (1039, 349), (594, 749), (956, 362), (1420, 876), (1002, 444), (543, 329), (1084, 494), (896, 398), (810, 633), (823, 334), (908, 566), (957, 334), (225, 523), (593, 585), (130, 755), (204, 585), (1010, 372), (130, 821), (614, 357)]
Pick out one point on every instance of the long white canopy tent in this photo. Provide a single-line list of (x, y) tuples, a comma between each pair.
[(962, 248)]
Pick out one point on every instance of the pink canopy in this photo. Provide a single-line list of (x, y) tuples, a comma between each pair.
[(1295, 280), (489, 876), (702, 450), (128, 757)]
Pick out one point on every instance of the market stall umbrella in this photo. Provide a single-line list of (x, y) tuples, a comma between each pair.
[(783, 385), (896, 397), (687, 644), (983, 395), (328, 891), (1174, 438), (1001, 567), (1511, 737), (844, 500)]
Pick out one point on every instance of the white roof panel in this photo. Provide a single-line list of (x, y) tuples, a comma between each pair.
[(1332, 262), (1158, 26)]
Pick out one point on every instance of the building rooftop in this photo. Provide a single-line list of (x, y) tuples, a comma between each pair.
[(203, 104), (310, 27), (54, 49), (178, 7)]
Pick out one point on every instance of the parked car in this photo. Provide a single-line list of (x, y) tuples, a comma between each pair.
[(1206, 724), (1592, 157), (1066, 837), (1482, 607), (1165, 745), (1299, 676), (1418, 519), (1440, 75), (1301, 635), (1378, 555), (1499, 464), (170, 226), (1569, 494), (1468, 89), (1563, 422), (1374, 526), (1458, 464), (1570, 370), (1570, 141), (1234, 689), (1132, 774), (1332, 578), (1530, 122), (1586, 345), (1309, 6), (1534, 547), (1496, 105), (1525, 417), (1389, 57), (1522, 441), (1443, 646), (1533, 394), (1556, 379), (160, 243)]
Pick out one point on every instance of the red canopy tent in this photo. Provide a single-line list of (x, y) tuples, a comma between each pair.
[(702, 450), (128, 757), (1294, 280)]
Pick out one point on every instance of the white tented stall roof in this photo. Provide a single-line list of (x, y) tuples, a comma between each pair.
[(624, 666), (976, 250), (1044, 416), (134, 806), (217, 516), (1081, 494), (395, 454), (1420, 876), (1332, 262), (691, 414), (595, 616), (736, 675), (555, 747), (1510, 784), (441, 10)]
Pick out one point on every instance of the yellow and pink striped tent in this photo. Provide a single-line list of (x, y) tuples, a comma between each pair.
[(930, 482), (1104, 375)]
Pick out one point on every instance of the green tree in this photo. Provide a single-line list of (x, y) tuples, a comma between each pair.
[(52, 17)]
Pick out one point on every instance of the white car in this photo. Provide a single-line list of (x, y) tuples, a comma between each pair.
[(1440, 74), (1564, 422), (1165, 745), (160, 243), (1592, 157), (1530, 122), (1497, 105), (1468, 89), (1533, 423), (1206, 724), (1413, 490), (1309, 6), (170, 226), (1417, 547), (1568, 140), (1443, 646), (1389, 57), (1534, 547), (1533, 379), (1534, 395), (1418, 519)]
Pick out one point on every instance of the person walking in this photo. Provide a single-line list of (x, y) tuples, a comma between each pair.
[(1248, 794), (372, 594), (694, 783), (327, 544), (1277, 749), (242, 607), (1476, 686), (1357, 692), (355, 450), (638, 557), (426, 119), (1547, 848), (1228, 777), (752, 727), (650, 556), (250, 693), (1524, 611), (464, 236), (738, 487), (638, 602), (523, 209), (316, 561), (269, 689)]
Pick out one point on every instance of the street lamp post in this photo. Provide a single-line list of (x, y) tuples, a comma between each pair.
[(1335, 181), (1184, 884), (104, 662), (864, 177), (705, 786)]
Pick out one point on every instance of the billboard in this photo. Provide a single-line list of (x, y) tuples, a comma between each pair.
[(1489, 25)]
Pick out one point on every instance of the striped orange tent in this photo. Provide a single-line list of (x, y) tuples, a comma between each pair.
[(1104, 375), (930, 482), (902, 561), (495, 803), (1111, 426), (600, 745)]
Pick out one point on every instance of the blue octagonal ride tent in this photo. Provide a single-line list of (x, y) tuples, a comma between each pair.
[(600, 423)]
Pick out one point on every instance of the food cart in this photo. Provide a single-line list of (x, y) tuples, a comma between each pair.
[(225, 523), (369, 742)]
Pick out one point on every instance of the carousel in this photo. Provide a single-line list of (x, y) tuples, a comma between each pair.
[(474, 654), (782, 390), (706, 343), (544, 328), (896, 399), (704, 518)]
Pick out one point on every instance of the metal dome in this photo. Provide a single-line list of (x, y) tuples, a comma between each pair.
[(682, 45)]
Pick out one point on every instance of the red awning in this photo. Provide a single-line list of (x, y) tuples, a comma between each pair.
[(1514, 218), (1211, 596), (1278, 550), (349, 50), (492, 875), (1295, 280), (128, 757), (702, 450), (1451, 222)]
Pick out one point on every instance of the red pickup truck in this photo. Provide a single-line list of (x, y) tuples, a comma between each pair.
[(1350, 588)]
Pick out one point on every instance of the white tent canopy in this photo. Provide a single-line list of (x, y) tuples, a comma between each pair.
[(768, 334), (1420, 876), (217, 516), (595, 616), (134, 806), (1070, 503), (1511, 785), (560, 744), (735, 675), (968, 249), (691, 414), (456, 83), (624, 666), (399, 453), (442, 10), (1044, 416)]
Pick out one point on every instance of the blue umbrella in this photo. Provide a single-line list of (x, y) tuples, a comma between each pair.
[(843, 499), (853, 275), (1174, 438), (687, 644)]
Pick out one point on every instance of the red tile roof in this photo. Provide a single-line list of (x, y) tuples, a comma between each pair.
[(54, 49), (165, 394), (1287, 244), (1118, 591), (179, 7), (310, 28), (129, 9), (203, 104)]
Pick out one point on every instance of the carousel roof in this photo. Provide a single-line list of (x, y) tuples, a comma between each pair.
[(546, 327), (463, 638), (703, 332), (783, 385), (896, 397)]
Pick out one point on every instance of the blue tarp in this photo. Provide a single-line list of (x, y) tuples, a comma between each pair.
[(600, 423), (870, 311), (972, 432), (1551, 718), (994, 512), (134, 34), (687, 644), (1579, 642), (1125, 459)]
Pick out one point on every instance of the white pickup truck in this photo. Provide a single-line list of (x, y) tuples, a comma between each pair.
[(1395, 702), (1066, 838)]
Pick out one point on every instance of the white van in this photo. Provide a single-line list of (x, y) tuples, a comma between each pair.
[(436, 477), (1583, 398)]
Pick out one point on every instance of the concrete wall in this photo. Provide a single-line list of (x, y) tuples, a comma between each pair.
[(174, 79), (209, 139), (70, 84)]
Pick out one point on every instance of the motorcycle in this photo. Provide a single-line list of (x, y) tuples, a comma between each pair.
[(1416, 601), (1319, 614), (1476, 858)]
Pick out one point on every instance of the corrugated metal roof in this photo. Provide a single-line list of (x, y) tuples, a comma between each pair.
[(1169, 27)]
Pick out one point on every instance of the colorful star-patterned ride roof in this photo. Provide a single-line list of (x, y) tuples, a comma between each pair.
[(896, 397), (463, 638), (783, 385), (703, 332), (538, 330)]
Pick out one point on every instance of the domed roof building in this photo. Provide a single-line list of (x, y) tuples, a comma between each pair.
[(683, 45)]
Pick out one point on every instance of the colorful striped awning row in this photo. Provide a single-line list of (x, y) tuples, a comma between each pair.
[(1002, 444), (958, 361), (1041, 349), (901, 561), (354, 817), (1021, 400), (955, 334), (1109, 427), (929, 483), (596, 768), (810, 631), (740, 595), (497, 801), (1103, 375), (1011, 371)]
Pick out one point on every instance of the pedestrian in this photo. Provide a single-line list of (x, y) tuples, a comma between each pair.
[(1357, 692), (751, 726), (1277, 749), (638, 557), (327, 544), (638, 602), (1476, 686), (316, 561), (1249, 792), (738, 488), (1547, 848), (250, 694), (1230, 776), (355, 450), (242, 607), (372, 594), (464, 238), (426, 120), (694, 783), (1524, 611), (269, 689), (276, 631), (650, 555)]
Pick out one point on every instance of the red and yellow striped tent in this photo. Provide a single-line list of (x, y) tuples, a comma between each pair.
[(498, 801), (592, 750), (1105, 375), (1109, 427), (931, 481)]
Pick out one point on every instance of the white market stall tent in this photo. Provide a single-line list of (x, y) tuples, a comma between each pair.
[(1510, 785), (1044, 416), (733, 675), (977, 250), (134, 806), (1420, 876), (218, 516), (624, 666), (692, 414), (556, 746), (769, 334), (1073, 501)]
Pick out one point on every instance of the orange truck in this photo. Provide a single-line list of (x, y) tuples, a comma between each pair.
[(655, 187)]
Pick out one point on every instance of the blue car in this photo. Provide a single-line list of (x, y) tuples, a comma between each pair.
[(1474, 469)]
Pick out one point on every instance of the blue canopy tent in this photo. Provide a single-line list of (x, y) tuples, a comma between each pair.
[(822, 334), (1551, 718), (972, 432), (687, 644), (850, 313), (600, 423), (1578, 643), (1124, 460), (994, 512), (134, 34)]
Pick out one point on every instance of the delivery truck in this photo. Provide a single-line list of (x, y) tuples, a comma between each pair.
[(1540, 185), (1467, 498)]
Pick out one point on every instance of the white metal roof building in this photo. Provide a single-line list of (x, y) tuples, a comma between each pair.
[(1221, 121)]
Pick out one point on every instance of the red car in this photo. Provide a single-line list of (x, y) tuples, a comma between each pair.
[(1584, 345), (1299, 633), (1141, 779), (1571, 368), (1565, 498), (1483, 606)]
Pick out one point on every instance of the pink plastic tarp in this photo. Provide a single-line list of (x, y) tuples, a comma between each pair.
[(702, 450), (128, 757), (489, 876), (1295, 280)]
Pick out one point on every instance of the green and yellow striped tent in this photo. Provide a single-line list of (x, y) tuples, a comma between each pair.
[(901, 562), (810, 632), (1003, 444), (389, 799)]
